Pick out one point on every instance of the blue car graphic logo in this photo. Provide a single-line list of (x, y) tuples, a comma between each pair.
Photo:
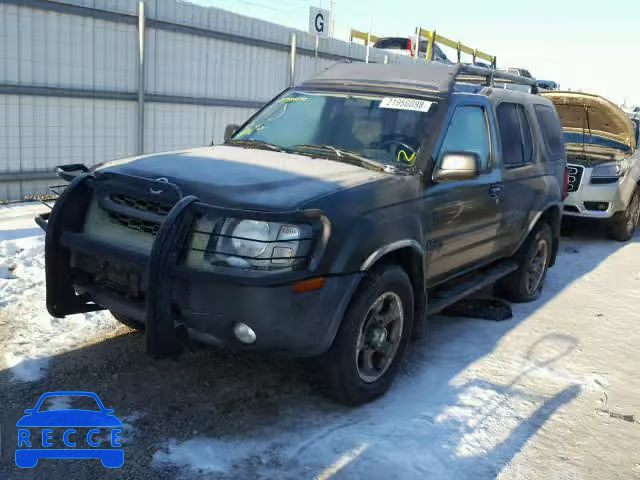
[(36, 433)]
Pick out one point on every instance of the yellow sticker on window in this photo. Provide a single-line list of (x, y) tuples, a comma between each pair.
[(402, 156)]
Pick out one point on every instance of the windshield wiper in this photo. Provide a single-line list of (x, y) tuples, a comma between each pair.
[(348, 157), (255, 144)]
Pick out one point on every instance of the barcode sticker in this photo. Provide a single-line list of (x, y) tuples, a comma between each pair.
[(399, 103)]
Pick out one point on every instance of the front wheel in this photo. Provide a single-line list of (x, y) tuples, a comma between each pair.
[(365, 355), (623, 224), (525, 284)]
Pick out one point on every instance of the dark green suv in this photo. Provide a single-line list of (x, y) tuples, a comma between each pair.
[(330, 225)]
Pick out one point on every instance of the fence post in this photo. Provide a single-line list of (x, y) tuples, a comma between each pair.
[(366, 58), (140, 144), (292, 59)]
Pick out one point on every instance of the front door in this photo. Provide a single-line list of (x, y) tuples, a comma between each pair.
[(464, 216)]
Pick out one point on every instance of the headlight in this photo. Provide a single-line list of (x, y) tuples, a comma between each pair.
[(249, 238), (612, 169), (249, 244)]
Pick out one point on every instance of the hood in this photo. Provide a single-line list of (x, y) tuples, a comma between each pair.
[(230, 176), (593, 120)]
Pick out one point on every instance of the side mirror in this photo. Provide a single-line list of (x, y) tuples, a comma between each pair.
[(230, 130), (457, 166)]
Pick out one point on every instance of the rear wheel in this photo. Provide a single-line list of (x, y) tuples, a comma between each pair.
[(365, 355), (525, 284), (129, 322), (623, 224)]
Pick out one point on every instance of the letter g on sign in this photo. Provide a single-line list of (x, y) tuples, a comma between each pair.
[(319, 23)]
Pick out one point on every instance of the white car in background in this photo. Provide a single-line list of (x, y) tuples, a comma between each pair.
[(602, 160), (522, 72), (407, 46)]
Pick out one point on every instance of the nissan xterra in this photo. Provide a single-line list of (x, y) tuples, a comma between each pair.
[(330, 225)]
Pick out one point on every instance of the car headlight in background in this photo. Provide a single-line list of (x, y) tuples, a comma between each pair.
[(610, 170), (249, 244)]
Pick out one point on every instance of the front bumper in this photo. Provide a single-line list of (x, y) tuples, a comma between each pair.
[(161, 292), (587, 198)]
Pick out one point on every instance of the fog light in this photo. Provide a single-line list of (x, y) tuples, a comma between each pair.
[(596, 206), (244, 333)]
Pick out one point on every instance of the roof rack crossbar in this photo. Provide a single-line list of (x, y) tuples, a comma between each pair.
[(473, 74)]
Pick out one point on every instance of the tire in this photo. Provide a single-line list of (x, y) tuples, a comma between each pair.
[(352, 371), (133, 324), (623, 225), (525, 284)]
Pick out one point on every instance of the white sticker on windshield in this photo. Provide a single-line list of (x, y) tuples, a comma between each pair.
[(399, 103)]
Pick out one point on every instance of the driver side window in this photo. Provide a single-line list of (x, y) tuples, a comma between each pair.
[(468, 132)]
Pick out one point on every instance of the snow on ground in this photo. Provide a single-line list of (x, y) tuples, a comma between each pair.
[(539, 396), (127, 431), (27, 346), (206, 455), (551, 393), (16, 221), (61, 402)]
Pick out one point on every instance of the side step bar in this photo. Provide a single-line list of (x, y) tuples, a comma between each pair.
[(465, 286)]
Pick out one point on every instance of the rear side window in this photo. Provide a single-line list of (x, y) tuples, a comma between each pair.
[(527, 140), (515, 134), (392, 43), (438, 54), (551, 129), (468, 132)]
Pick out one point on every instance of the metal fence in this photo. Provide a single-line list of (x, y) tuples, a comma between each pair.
[(92, 80)]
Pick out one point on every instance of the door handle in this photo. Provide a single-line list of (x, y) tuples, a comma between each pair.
[(495, 190)]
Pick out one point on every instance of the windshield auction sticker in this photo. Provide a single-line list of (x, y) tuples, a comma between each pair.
[(399, 103)]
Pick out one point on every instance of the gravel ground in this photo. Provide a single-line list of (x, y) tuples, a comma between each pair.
[(551, 393)]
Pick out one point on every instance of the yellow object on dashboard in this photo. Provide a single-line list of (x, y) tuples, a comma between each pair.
[(407, 158)]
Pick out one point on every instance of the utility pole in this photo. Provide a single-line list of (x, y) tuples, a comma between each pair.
[(141, 88), (331, 21)]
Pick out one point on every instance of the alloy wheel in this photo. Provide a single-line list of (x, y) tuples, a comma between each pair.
[(634, 214), (379, 337), (537, 266)]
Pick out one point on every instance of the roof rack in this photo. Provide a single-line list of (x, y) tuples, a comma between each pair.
[(488, 76)]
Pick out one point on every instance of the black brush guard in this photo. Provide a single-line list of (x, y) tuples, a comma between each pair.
[(164, 266)]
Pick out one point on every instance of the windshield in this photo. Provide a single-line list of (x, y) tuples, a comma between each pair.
[(387, 130)]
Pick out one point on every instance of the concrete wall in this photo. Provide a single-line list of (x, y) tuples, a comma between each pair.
[(69, 79)]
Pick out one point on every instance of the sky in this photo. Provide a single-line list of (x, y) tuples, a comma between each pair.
[(588, 45)]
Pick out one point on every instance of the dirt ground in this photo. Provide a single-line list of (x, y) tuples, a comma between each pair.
[(552, 393)]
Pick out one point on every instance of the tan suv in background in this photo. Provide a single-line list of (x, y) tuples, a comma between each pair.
[(603, 161)]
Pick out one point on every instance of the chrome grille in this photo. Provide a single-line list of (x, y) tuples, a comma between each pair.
[(575, 177)]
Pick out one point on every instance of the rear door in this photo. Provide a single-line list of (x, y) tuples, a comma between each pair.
[(464, 216), (523, 171)]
